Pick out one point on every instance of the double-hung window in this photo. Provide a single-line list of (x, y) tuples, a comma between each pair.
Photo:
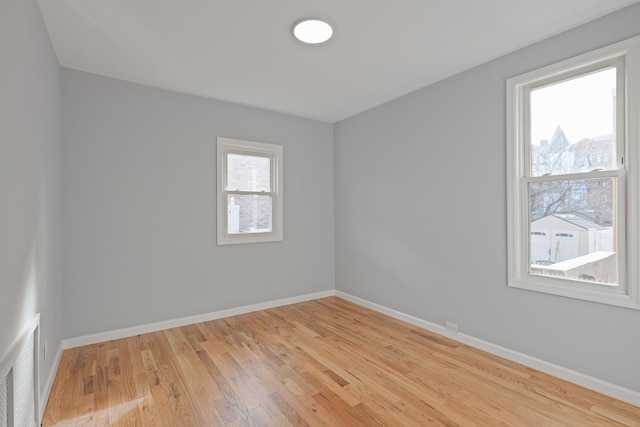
[(573, 177), (250, 202)]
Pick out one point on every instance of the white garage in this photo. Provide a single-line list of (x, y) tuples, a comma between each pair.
[(559, 237)]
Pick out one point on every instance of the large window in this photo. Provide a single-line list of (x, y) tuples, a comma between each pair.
[(572, 166), (249, 192)]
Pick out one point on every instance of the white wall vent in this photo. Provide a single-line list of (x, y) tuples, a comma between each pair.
[(4, 400), (19, 402)]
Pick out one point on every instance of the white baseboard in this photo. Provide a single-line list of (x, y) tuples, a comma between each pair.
[(175, 323), (624, 394), (46, 391)]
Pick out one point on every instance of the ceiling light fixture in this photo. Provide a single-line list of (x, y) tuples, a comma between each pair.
[(312, 31)]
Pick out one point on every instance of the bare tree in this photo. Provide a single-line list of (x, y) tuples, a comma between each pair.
[(588, 198)]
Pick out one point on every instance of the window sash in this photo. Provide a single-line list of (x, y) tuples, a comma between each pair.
[(246, 152), (619, 225), (226, 192), (272, 213), (618, 63)]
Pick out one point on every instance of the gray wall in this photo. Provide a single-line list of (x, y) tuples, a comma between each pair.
[(30, 133), (139, 207), (421, 216)]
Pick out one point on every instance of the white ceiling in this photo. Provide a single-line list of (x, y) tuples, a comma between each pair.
[(242, 51)]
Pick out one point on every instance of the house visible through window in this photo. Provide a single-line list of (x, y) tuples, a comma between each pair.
[(249, 192), (572, 201)]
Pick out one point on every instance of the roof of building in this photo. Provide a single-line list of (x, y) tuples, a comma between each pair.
[(579, 221)]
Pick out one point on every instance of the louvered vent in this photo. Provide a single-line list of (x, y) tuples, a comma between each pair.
[(18, 382), (23, 385), (4, 401)]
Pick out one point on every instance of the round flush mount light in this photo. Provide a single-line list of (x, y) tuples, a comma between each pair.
[(312, 31)]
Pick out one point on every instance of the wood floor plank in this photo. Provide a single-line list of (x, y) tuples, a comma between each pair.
[(327, 362)]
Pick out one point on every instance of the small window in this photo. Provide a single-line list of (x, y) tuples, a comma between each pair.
[(249, 192), (572, 163)]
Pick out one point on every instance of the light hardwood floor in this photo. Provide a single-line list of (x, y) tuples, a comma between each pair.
[(326, 362)]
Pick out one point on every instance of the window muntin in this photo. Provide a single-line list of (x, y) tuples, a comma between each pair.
[(249, 192), (572, 197)]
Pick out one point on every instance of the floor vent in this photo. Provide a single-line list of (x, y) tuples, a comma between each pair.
[(19, 381)]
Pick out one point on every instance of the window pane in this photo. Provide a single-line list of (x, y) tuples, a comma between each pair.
[(572, 125), (248, 173), (249, 214), (573, 230)]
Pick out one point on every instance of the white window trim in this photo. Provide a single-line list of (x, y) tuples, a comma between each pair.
[(275, 153), (627, 295)]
